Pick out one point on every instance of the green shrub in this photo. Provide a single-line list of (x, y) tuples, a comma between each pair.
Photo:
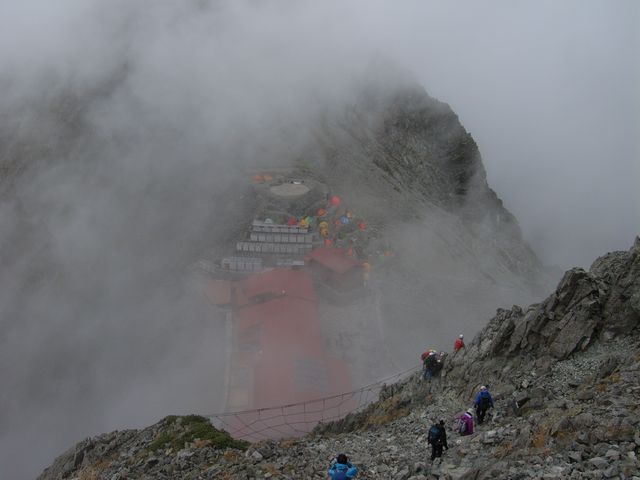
[(160, 441), (193, 427)]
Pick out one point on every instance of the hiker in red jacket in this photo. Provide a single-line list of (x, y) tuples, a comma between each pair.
[(459, 343)]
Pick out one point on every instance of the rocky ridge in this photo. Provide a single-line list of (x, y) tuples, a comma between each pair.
[(403, 160), (564, 373), (401, 146)]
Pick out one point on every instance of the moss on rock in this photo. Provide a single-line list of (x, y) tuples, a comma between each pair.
[(175, 431)]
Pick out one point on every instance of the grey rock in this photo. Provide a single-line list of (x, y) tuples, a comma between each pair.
[(185, 453), (619, 271), (267, 451), (535, 403), (556, 472), (521, 396), (490, 437), (612, 454), (257, 456), (403, 474), (599, 462), (585, 394), (538, 393), (457, 473), (612, 471), (575, 456), (607, 366), (583, 420), (77, 458)]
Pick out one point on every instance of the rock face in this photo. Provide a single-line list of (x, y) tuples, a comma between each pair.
[(586, 306), (400, 155), (403, 161), (564, 375), (191, 438)]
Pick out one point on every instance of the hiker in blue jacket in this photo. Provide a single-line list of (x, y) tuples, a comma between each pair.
[(483, 403), (341, 469)]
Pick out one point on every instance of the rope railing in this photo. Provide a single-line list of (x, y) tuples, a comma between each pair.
[(296, 419)]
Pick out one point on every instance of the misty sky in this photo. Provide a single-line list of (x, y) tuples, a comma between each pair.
[(549, 90)]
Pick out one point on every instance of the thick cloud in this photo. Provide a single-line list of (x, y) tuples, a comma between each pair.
[(128, 121), (549, 92)]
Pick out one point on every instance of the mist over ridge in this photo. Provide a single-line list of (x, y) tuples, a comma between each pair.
[(126, 130)]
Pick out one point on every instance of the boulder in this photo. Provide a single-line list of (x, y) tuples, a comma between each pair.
[(599, 462), (620, 276)]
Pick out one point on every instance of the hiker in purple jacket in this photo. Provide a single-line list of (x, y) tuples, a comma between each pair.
[(464, 423)]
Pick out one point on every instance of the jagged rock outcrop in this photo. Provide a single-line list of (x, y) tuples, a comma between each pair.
[(403, 160), (143, 450), (564, 374), (586, 306), (401, 147)]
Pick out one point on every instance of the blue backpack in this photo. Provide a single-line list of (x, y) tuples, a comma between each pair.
[(346, 473), (434, 434)]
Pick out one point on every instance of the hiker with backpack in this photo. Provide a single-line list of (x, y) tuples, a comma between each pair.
[(439, 363), (341, 469), (483, 402), (430, 364), (464, 423), (437, 438)]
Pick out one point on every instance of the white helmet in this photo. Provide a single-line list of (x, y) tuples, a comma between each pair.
[(461, 336)]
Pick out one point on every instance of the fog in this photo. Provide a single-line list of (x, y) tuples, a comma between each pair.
[(125, 127), (549, 92)]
